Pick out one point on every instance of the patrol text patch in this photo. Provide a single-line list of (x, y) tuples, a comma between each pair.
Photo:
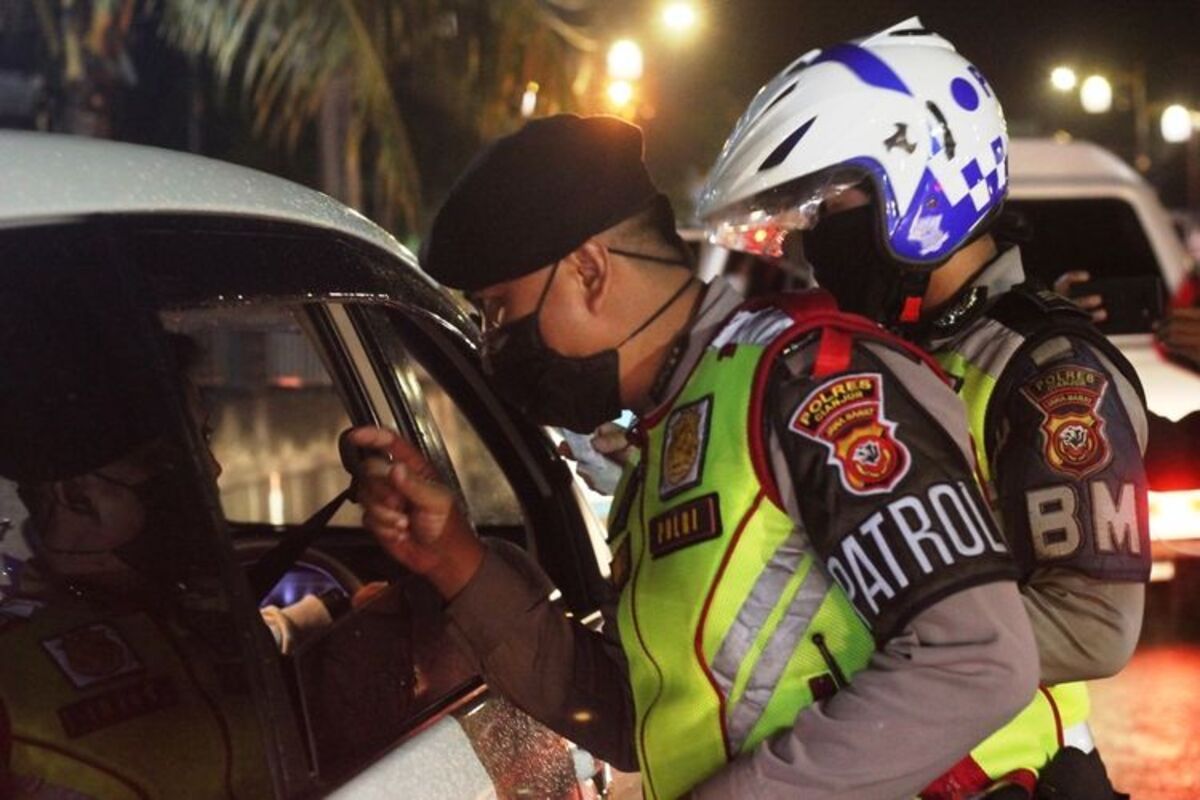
[(846, 414), (685, 525), (684, 443), (1074, 441)]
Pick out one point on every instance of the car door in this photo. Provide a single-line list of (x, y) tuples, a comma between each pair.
[(380, 696)]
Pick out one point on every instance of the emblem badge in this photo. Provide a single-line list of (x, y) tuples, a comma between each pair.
[(92, 654), (684, 444), (846, 415), (1074, 441)]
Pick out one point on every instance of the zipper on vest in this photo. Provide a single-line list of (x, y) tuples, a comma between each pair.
[(835, 669)]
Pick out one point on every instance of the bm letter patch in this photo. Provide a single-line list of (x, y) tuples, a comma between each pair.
[(846, 415), (1073, 439)]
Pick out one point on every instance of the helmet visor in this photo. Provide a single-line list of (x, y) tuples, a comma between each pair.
[(761, 224)]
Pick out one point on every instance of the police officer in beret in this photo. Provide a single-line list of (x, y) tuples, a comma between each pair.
[(812, 598)]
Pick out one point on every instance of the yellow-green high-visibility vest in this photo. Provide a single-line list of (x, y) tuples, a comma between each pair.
[(730, 624)]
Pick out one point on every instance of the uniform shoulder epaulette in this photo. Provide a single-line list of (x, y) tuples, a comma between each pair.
[(1028, 307)]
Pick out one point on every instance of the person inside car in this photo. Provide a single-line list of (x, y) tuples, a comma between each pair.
[(811, 597), (116, 632), (882, 163)]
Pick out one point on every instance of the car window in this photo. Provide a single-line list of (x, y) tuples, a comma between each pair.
[(490, 497), (274, 413), (125, 669), (1100, 235)]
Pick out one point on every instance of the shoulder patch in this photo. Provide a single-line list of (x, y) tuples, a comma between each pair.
[(685, 525), (684, 444), (846, 415), (92, 654), (1074, 440)]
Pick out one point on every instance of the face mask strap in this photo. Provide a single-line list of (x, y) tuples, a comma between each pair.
[(646, 257), (661, 310), (546, 287)]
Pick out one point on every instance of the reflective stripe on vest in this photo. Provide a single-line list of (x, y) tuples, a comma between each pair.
[(977, 361), (729, 632)]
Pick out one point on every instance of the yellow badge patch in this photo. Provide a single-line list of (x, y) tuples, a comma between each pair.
[(684, 444)]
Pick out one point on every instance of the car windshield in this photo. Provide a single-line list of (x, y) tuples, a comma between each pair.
[(1100, 235)]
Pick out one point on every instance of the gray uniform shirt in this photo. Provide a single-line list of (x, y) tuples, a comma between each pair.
[(950, 676)]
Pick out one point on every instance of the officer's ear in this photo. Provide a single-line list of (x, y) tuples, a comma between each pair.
[(591, 268)]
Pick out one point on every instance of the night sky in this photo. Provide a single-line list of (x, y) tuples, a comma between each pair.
[(706, 83)]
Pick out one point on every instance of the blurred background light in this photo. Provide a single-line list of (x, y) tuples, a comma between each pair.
[(1063, 79), (625, 62), (1096, 95), (620, 93), (679, 17)]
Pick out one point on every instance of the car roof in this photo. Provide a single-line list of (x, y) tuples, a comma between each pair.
[(1042, 161), (48, 177)]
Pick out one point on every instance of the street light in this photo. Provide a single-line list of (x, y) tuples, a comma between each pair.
[(625, 61), (1096, 94), (679, 17), (529, 99), (620, 94), (1063, 79), (1176, 124)]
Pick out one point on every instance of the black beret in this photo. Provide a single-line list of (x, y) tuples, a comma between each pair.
[(531, 198)]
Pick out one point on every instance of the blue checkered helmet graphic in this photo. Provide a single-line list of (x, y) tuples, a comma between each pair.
[(901, 109)]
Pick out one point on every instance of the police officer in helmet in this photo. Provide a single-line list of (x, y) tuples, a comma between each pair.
[(811, 596), (882, 164)]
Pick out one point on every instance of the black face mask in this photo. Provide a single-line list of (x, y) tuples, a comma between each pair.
[(848, 263), (575, 392)]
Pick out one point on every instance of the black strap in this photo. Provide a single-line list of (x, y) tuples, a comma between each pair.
[(274, 564)]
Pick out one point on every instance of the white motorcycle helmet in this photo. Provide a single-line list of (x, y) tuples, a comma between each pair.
[(900, 110)]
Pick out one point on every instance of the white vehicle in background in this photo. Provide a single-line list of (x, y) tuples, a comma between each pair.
[(1089, 210)]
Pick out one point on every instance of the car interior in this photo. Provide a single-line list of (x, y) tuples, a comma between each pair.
[(298, 341)]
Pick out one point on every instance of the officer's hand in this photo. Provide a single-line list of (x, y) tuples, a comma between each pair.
[(413, 515), (1091, 302), (1180, 333)]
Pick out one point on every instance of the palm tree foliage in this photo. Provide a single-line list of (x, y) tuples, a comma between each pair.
[(369, 68)]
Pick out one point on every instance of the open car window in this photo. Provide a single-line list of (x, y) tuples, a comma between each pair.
[(274, 413)]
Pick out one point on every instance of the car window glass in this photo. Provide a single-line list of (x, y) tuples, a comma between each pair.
[(116, 621), (274, 413), (1102, 236), (490, 497)]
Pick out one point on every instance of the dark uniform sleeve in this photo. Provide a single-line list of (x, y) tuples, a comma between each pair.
[(880, 459), (570, 678), (1067, 464)]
